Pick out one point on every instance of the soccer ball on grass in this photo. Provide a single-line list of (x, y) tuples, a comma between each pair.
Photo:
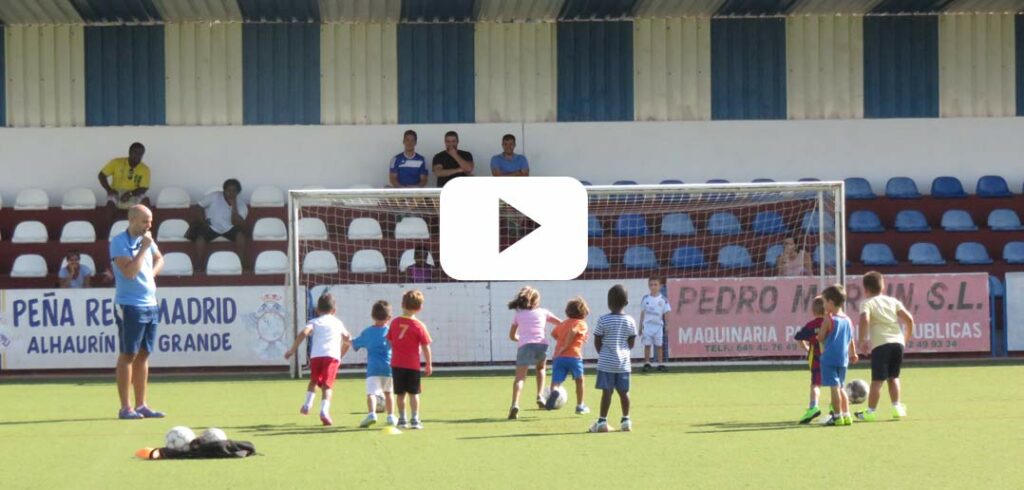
[(857, 391), (179, 438)]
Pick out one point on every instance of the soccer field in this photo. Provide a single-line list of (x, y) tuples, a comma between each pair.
[(702, 428)]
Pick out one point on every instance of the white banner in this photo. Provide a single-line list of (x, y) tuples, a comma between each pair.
[(210, 326), (1015, 311)]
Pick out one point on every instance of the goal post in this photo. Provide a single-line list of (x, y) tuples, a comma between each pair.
[(364, 245)]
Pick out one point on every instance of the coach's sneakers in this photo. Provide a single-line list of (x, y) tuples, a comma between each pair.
[(325, 418), (368, 421), (582, 409), (810, 414), (415, 424), (626, 426), (128, 414), (149, 413), (899, 411), (513, 412), (599, 426), (866, 415)]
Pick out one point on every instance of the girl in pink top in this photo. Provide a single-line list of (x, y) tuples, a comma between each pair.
[(528, 332)]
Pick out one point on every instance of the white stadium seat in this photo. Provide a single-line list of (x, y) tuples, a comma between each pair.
[(312, 229), (172, 230), (118, 228), (177, 264), (364, 229), (84, 259), (269, 230), (29, 265), (32, 199), (320, 262), (266, 196), (368, 261), (224, 263), (409, 258), (173, 198), (412, 228), (271, 262), (30, 232), (79, 198), (78, 232)]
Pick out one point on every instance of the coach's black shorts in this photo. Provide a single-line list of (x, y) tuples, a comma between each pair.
[(406, 380), (203, 230), (886, 361)]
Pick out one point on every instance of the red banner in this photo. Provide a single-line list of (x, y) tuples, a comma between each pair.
[(758, 317)]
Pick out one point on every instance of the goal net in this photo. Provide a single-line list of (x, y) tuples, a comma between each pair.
[(365, 245)]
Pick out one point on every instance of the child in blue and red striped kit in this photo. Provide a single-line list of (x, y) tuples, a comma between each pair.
[(808, 337)]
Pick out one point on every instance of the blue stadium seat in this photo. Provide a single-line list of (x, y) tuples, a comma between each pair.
[(585, 182), (688, 258), (972, 253), (734, 257), (719, 196), (830, 255), (810, 222), (957, 220), (718, 181), (1004, 220), (925, 253), (762, 180), (993, 186), (946, 187), (1013, 252), (627, 198), (639, 257), (594, 228), (809, 179), (877, 254), (677, 224), (631, 224), (858, 188), (864, 221), (901, 188), (673, 198), (995, 287), (596, 259), (911, 220), (769, 223), (671, 182), (624, 182), (724, 223), (771, 256)]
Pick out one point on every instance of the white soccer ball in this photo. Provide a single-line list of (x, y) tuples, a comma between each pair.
[(380, 406), (563, 396), (179, 438), (857, 391), (212, 434)]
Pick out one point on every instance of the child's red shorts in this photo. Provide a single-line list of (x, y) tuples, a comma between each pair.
[(323, 370)]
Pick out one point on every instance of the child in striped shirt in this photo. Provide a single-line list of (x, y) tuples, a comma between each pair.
[(614, 337)]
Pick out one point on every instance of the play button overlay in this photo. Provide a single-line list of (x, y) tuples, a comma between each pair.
[(513, 229)]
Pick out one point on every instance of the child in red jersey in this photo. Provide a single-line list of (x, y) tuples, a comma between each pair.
[(408, 337)]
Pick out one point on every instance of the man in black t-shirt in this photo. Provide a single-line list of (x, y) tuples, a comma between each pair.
[(452, 162)]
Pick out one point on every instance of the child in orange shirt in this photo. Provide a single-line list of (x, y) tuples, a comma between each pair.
[(568, 357)]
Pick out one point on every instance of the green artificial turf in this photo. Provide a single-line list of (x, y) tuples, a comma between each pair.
[(719, 429)]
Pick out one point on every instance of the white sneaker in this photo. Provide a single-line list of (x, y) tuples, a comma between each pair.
[(627, 425), (415, 424), (899, 411), (598, 427), (391, 421), (368, 421), (582, 410)]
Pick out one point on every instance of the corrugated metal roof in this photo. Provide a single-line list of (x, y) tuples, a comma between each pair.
[(38, 12), (434, 11), (748, 68), (976, 65), (372, 11), (124, 76), (595, 71), (754, 7), (435, 73), (672, 59), (281, 72), (822, 7), (199, 10), (825, 67), (359, 67), (596, 9), (676, 8), (901, 66), (46, 73), (518, 10), (516, 72), (910, 6), (121, 11), (204, 74), (280, 11), (997, 6)]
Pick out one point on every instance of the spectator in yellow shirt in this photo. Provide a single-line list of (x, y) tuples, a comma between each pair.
[(128, 180)]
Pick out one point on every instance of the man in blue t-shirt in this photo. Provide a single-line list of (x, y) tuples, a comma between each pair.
[(508, 163), (136, 262), (408, 169)]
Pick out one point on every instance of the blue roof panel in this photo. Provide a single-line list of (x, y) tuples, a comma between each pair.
[(124, 76), (1019, 20), (281, 73), (901, 66), (748, 68), (595, 71), (125, 11), (435, 73)]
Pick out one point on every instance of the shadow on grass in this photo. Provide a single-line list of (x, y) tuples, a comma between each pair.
[(291, 429), (721, 427), (57, 421), (515, 436), (483, 420)]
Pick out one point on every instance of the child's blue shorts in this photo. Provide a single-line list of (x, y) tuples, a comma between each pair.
[(562, 367)]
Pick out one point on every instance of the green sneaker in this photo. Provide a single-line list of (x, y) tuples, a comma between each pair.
[(866, 415), (899, 411), (810, 415), (847, 420)]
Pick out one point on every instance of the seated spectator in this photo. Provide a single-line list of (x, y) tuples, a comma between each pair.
[(452, 162), (508, 163), (75, 274), (129, 180), (793, 261), (222, 214), (408, 169), (420, 270)]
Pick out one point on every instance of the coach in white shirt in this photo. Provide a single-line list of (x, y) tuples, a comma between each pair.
[(222, 214)]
